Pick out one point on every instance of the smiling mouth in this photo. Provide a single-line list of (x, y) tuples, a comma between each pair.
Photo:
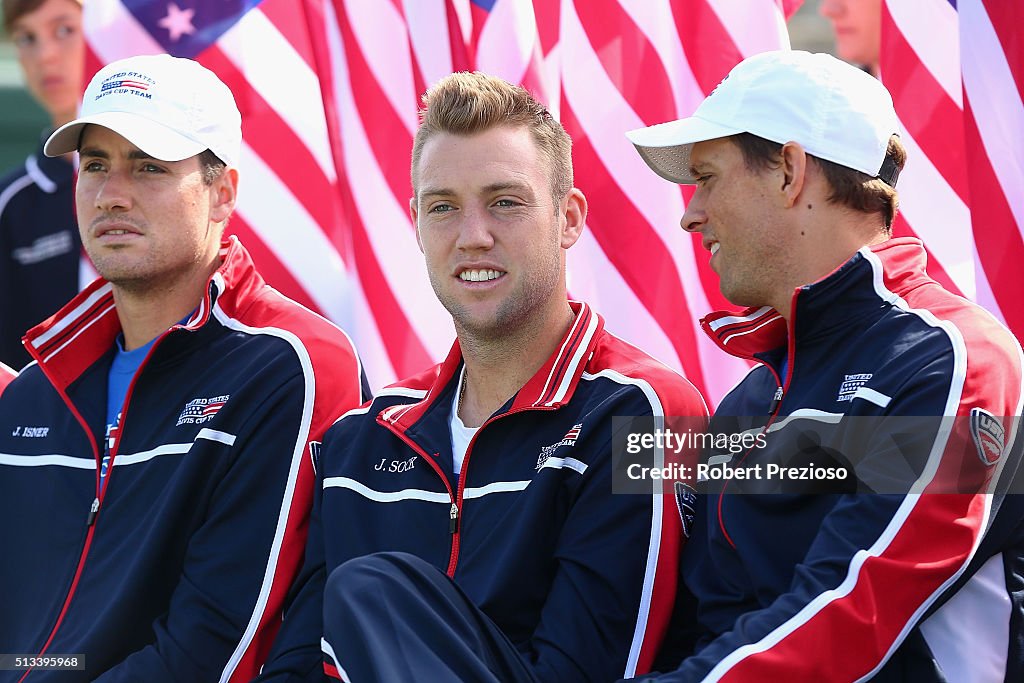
[(483, 275)]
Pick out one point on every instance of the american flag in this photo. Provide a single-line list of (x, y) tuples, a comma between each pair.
[(956, 72), (329, 91)]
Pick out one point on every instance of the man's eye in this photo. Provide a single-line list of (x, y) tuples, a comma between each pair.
[(441, 208), (64, 31), (92, 166), (152, 168), (506, 203)]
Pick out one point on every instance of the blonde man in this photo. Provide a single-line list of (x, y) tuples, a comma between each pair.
[(466, 517)]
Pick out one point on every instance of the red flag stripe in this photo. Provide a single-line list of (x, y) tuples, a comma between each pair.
[(272, 270), (276, 142), (289, 19), (709, 48), (389, 138), (1007, 18), (628, 58), (925, 110), (636, 252), (1001, 248)]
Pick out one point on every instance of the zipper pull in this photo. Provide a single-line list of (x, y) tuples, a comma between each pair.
[(93, 511), (775, 401), (453, 516)]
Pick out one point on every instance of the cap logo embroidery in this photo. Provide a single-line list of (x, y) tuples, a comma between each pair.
[(126, 82)]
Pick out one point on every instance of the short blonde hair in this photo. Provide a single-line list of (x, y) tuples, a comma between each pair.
[(466, 103)]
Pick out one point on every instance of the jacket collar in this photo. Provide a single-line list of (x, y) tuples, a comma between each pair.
[(550, 388), (860, 287), (84, 330)]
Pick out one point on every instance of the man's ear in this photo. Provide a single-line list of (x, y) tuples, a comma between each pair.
[(573, 218), (414, 214), (794, 172), (225, 194)]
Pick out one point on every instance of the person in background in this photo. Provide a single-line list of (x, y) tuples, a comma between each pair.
[(40, 249), (157, 458), (857, 25), (906, 563), (466, 518)]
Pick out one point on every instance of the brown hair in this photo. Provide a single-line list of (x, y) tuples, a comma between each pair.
[(211, 166), (467, 103), (850, 188), (16, 9)]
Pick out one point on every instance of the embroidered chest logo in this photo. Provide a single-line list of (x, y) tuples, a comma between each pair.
[(850, 385), (568, 440), (200, 410), (989, 436)]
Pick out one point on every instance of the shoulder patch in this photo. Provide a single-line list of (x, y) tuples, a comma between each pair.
[(686, 499), (989, 436)]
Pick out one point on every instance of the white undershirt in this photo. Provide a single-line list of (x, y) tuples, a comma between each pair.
[(461, 434)]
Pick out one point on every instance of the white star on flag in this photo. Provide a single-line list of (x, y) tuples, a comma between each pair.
[(178, 22)]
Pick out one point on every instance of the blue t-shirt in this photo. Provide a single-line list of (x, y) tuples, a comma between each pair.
[(122, 370)]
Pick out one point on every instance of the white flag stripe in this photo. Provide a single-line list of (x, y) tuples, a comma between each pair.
[(737, 17), (936, 40), (996, 104), (983, 294), (283, 78), (654, 19), (388, 228), (382, 39), (300, 243), (372, 350), (598, 105), (931, 207), (507, 40), (428, 31), (593, 279)]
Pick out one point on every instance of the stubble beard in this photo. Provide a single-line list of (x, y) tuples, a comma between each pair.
[(513, 316)]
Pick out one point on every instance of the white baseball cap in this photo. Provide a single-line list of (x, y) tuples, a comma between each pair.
[(170, 108), (836, 111)]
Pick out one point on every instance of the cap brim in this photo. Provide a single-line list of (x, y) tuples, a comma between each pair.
[(155, 139), (666, 146)]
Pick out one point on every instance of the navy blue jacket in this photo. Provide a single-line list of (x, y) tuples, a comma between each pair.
[(178, 569), (40, 249), (580, 580), (833, 580)]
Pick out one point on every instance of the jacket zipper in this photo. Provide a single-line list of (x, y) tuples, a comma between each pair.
[(773, 408), (455, 511), (90, 529), (101, 487)]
